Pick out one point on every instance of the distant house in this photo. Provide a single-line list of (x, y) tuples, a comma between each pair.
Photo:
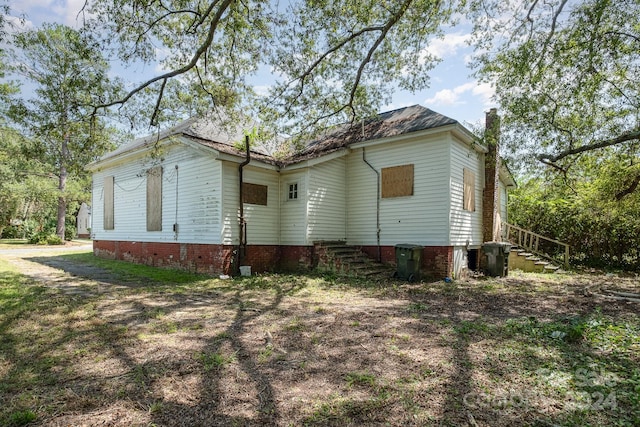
[(407, 176), (83, 221)]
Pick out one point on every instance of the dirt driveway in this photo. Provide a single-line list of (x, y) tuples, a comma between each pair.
[(95, 348)]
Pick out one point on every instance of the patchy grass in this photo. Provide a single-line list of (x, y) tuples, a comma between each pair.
[(12, 243), (146, 346), (24, 244)]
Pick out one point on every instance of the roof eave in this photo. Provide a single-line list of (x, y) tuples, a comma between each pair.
[(140, 150), (506, 176), (455, 128)]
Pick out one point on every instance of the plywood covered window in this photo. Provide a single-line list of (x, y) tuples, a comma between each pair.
[(154, 199), (397, 181), (107, 219), (469, 186), (254, 194)]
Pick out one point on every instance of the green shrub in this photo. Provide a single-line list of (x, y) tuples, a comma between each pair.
[(12, 232), (44, 238), (54, 240)]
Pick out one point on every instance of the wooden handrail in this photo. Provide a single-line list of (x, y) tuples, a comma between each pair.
[(531, 242)]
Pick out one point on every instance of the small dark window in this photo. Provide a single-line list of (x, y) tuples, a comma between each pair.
[(293, 191)]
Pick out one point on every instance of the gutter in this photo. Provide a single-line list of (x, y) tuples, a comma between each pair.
[(243, 224), (364, 159)]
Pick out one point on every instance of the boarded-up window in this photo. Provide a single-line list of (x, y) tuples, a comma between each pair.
[(397, 181), (469, 188), (107, 219), (154, 199), (254, 194)]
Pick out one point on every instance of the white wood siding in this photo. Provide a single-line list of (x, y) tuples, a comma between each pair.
[(263, 222), (326, 205), (421, 218), (293, 213), (465, 226), (229, 231), (197, 186)]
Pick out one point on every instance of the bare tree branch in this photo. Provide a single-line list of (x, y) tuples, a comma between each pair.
[(224, 5), (307, 72), (620, 33), (156, 109), (383, 34), (301, 78), (630, 189), (552, 31), (550, 159)]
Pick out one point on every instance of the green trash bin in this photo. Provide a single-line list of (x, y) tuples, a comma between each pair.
[(497, 254), (408, 261)]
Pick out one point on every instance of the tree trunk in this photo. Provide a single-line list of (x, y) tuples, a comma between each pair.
[(62, 185), (62, 203)]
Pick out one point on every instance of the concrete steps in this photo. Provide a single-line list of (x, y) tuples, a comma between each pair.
[(520, 259), (337, 257)]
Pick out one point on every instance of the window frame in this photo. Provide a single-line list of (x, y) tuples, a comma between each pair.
[(397, 181), (292, 192)]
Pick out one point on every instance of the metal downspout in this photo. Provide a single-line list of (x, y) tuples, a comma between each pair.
[(377, 204), (243, 224)]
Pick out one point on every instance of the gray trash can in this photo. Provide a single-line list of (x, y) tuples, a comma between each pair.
[(497, 254), (408, 261)]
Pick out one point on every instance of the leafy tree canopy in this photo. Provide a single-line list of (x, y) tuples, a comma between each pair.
[(70, 77), (565, 70), (332, 61), (566, 74), (593, 214)]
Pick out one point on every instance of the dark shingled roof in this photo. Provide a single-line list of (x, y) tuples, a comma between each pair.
[(392, 123), (206, 132)]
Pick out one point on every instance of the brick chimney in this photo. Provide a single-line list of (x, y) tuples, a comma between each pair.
[(491, 178)]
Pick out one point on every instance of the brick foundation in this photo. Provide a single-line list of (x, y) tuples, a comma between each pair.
[(296, 258), (437, 261), (208, 259)]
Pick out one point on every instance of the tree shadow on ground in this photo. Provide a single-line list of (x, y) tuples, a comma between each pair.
[(124, 378), (269, 351)]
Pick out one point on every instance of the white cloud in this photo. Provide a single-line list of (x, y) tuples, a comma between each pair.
[(62, 11), (262, 90), (15, 23), (449, 97), (485, 91), (71, 15), (447, 46)]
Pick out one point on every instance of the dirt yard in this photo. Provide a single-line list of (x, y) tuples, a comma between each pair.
[(87, 345)]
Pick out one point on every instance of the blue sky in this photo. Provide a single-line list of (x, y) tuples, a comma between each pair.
[(453, 92)]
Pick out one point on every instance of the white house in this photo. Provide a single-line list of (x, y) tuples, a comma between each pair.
[(83, 221), (407, 176)]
